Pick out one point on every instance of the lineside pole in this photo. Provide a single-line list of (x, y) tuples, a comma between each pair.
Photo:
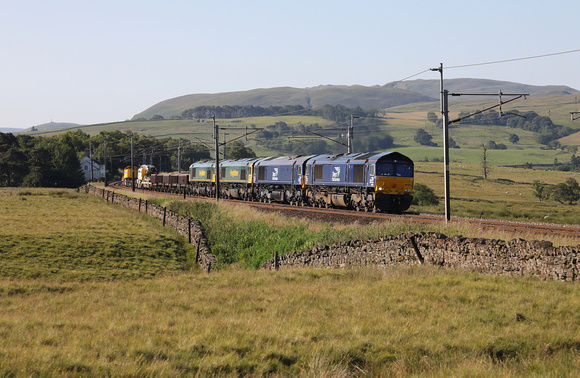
[(132, 165), (445, 118), (217, 160)]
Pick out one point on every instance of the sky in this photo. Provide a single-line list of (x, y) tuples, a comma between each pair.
[(88, 62)]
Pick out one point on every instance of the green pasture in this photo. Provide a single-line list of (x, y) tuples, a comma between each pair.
[(506, 194), (61, 234)]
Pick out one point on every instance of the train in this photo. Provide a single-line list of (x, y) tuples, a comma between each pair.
[(378, 182)]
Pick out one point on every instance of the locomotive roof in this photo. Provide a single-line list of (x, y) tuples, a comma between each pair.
[(370, 157), (284, 159)]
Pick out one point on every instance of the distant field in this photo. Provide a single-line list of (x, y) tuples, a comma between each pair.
[(507, 194)]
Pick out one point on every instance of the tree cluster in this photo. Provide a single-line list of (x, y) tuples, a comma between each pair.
[(55, 161), (237, 111), (40, 162), (424, 138), (564, 192), (572, 165), (530, 121), (338, 113)]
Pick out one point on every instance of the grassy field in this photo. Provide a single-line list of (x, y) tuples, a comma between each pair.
[(140, 310), (60, 234), (403, 321), (506, 194)]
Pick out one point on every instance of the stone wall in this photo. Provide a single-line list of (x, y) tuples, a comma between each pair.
[(515, 257), (186, 226)]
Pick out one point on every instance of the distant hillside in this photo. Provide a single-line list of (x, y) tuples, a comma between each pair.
[(432, 87), (375, 97), (51, 126), (10, 130)]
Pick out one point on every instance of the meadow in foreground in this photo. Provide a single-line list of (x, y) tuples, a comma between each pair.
[(400, 321), (62, 315)]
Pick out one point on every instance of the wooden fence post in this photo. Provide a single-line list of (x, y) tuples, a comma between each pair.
[(197, 251), (189, 228), (414, 244)]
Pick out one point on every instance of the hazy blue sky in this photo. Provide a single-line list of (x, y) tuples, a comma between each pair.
[(98, 61)]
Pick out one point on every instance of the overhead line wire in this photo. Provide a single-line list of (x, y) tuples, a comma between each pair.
[(512, 60)]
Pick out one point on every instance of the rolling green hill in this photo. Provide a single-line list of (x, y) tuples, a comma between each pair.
[(350, 96), (375, 97), (432, 87)]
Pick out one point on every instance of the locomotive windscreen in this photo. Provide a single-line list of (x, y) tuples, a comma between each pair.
[(395, 169)]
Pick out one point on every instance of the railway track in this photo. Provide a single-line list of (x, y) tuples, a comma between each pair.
[(350, 216)]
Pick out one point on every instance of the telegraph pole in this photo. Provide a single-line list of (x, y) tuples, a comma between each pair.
[(132, 165), (179, 157), (349, 133), (446, 122), (224, 146), (217, 160), (445, 118), (105, 142), (91, 159)]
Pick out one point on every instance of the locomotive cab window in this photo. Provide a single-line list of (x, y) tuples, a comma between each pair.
[(193, 172), (404, 170), (299, 169), (371, 170), (243, 174), (261, 173), (385, 169)]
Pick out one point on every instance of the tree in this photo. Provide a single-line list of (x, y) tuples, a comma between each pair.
[(541, 190), (237, 150), (378, 143), (66, 164), (423, 138), (424, 195), (514, 138), (432, 117), (568, 191), (452, 143)]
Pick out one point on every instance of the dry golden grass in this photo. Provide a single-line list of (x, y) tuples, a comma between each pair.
[(400, 321)]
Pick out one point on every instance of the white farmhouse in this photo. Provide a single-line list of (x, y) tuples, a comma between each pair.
[(98, 170)]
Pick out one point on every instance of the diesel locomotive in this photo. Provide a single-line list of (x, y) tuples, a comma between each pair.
[(360, 181)]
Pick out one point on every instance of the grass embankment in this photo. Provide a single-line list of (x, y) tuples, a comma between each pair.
[(399, 321), (238, 234)]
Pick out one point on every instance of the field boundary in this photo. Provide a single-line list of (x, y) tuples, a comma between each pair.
[(516, 257), (186, 226)]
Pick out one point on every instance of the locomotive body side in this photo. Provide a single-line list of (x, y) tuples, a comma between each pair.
[(236, 178), (280, 179), (201, 178), (129, 175)]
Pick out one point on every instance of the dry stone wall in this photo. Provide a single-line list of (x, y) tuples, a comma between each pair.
[(186, 226), (515, 257)]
